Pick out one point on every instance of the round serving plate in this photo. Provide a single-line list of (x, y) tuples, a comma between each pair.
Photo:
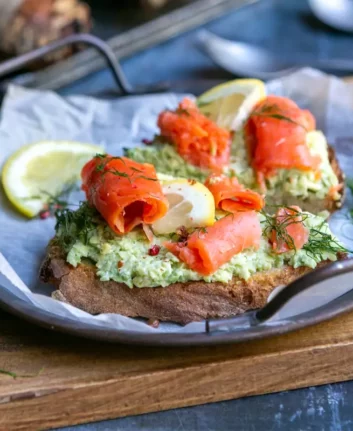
[(248, 326), (241, 330)]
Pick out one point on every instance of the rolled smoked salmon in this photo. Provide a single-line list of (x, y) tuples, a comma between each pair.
[(125, 192), (275, 135), (290, 234), (196, 138), (231, 196), (207, 250)]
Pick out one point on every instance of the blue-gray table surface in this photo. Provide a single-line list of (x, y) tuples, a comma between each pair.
[(288, 28)]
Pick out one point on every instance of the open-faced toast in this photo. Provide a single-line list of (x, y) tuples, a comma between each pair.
[(178, 302), (235, 217)]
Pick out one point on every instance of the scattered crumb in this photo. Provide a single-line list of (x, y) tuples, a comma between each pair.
[(153, 322)]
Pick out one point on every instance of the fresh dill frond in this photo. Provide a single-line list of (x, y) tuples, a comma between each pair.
[(53, 202), (275, 111), (147, 178), (182, 111), (104, 170), (319, 242), (201, 230), (135, 169), (24, 376), (76, 224), (273, 225)]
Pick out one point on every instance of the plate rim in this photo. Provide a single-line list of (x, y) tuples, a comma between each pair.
[(18, 307)]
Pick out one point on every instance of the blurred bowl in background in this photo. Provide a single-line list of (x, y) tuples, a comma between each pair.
[(335, 13)]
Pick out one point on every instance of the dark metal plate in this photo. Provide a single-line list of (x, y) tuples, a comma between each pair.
[(37, 316), (242, 328)]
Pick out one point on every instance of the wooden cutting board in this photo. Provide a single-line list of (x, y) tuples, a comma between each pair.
[(71, 380)]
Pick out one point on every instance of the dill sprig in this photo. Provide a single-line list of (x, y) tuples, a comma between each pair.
[(273, 224), (71, 225), (274, 111), (182, 111), (100, 156), (102, 167), (319, 242), (24, 376), (201, 230), (55, 202)]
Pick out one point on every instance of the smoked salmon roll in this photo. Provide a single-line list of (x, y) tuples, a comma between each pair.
[(275, 134), (125, 193), (208, 249), (231, 196), (289, 231), (196, 138)]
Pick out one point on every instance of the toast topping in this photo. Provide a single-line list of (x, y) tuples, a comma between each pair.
[(289, 232), (207, 250), (191, 205), (196, 138), (230, 196), (84, 234), (125, 193), (276, 137)]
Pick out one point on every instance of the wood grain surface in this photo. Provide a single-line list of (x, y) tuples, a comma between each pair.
[(70, 380)]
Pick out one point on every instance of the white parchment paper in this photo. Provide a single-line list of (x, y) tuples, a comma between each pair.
[(30, 115)]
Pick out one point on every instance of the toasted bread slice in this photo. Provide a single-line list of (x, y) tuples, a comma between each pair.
[(179, 302)]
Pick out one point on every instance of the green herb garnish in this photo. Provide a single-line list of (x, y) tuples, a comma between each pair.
[(202, 230), (16, 376), (181, 111), (102, 168), (272, 224), (319, 242), (72, 225), (267, 111), (53, 203)]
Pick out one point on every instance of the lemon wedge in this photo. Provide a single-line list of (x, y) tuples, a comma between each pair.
[(41, 169), (229, 104), (191, 204)]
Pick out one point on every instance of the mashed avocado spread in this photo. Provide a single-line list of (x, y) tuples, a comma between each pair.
[(83, 235), (287, 187), (166, 161), (294, 182)]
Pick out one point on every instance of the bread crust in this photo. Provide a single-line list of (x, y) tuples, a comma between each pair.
[(330, 204), (178, 302)]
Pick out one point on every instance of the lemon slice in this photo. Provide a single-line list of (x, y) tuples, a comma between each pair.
[(191, 204), (43, 166), (230, 104)]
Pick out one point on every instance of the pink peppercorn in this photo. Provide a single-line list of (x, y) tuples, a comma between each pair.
[(147, 141), (44, 214), (154, 250)]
